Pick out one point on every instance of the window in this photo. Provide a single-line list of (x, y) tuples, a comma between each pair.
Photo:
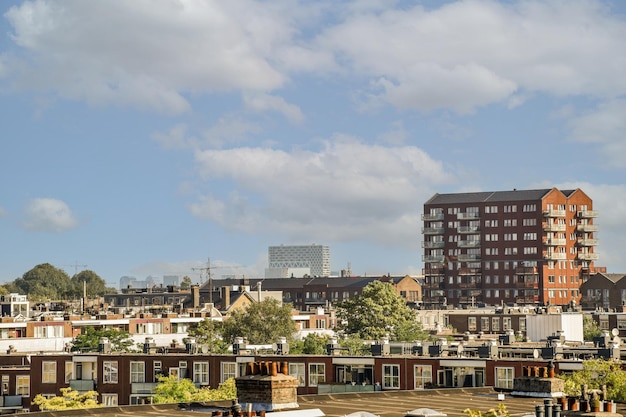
[(109, 400), (158, 369), (504, 377), (229, 370), (22, 385), (423, 376), (391, 376), (317, 374), (530, 207), (182, 369), (484, 324), (109, 372), (471, 324), (522, 324), (201, 373), (137, 372), (529, 222), (69, 371), (506, 323), (49, 373), (296, 370)]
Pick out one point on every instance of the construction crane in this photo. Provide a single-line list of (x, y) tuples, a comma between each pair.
[(207, 269)]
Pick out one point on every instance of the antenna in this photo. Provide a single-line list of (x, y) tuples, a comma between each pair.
[(76, 265), (207, 269)]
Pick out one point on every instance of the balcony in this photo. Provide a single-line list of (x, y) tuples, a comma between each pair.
[(587, 228), (468, 216), (468, 243), (587, 256), (469, 271), (555, 256), (432, 217), (433, 258), (555, 242), (432, 245), (465, 257), (587, 242), (532, 299), (552, 227), (432, 230), (468, 229), (527, 284), (526, 270), (142, 387), (434, 271), (554, 213), (83, 385), (587, 214)]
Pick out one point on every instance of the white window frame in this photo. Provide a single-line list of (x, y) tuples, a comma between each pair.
[(22, 385), (504, 377), (422, 375), (201, 373), (110, 372), (48, 372), (391, 376), (229, 370), (137, 371), (317, 374), (109, 400), (298, 371), (69, 371)]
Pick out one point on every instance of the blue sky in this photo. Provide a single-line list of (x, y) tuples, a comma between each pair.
[(140, 138)]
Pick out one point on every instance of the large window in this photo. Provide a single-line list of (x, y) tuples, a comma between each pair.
[(504, 377), (391, 376), (201, 373), (423, 376), (229, 370), (317, 374), (109, 400), (109, 372), (296, 370), (22, 385), (49, 373), (137, 372), (471, 324), (69, 371)]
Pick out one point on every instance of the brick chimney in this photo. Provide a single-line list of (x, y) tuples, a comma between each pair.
[(267, 386)]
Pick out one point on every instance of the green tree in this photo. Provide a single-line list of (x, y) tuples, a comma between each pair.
[(172, 390), (311, 344), (500, 411), (209, 333), (260, 323), (595, 373), (377, 312), (185, 284), (45, 282), (89, 340), (590, 328), (68, 400), (96, 286)]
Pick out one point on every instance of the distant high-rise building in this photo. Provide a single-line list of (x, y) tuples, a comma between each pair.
[(297, 260), (171, 280), (520, 246)]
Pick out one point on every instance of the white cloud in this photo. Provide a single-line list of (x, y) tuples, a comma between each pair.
[(48, 215), (604, 127), (346, 190), (265, 102)]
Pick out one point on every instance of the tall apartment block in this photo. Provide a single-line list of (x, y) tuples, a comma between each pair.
[(524, 247), (286, 261)]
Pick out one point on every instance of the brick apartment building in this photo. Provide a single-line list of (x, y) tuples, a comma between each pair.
[(525, 247)]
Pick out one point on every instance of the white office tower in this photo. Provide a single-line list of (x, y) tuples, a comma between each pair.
[(298, 261)]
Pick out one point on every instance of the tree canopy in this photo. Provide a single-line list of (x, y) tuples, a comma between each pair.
[(89, 340), (311, 344), (172, 390), (595, 373), (68, 400), (96, 286), (45, 282), (261, 323), (209, 334), (378, 312)]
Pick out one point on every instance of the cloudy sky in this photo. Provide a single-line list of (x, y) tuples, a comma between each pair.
[(141, 138)]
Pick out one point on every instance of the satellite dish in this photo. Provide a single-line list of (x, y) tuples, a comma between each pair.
[(535, 353), (615, 332)]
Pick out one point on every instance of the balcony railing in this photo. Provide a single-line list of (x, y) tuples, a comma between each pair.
[(432, 245), (83, 385), (433, 258), (432, 230), (469, 271), (587, 228), (526, 284), (588, 256), (142, 387), (468, 229), (526, 270), (468, 257), (432, 216), (587, 242), (554, 213), (468, 216), (468, 243), (433, 271), (551, 227), (587, 214), (555, 256), (556, 242)]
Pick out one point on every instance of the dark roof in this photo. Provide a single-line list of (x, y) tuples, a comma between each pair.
[(494, 196), (285, 283)]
